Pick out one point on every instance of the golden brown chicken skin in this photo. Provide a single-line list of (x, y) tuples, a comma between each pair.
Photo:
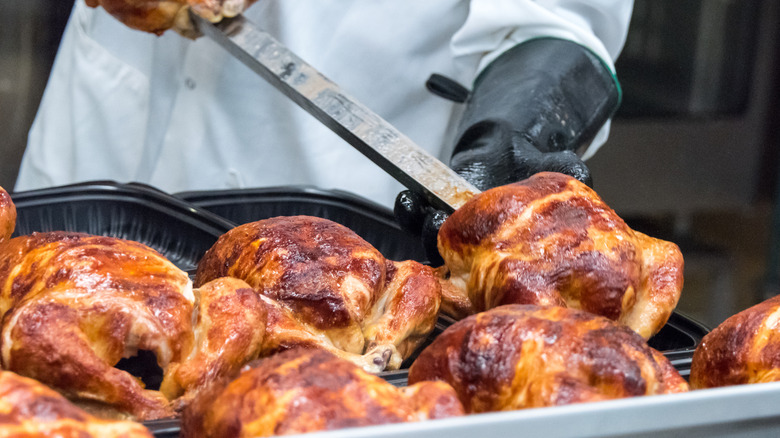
[(526, 356), (326, 287), (157, 16), (550, 240), (75, 304), (7, 216), (29, 409), (229, 332), (744, 348), (308, 390)]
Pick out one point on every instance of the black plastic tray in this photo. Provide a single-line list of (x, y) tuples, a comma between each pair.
[(371, 221), (178, 230)]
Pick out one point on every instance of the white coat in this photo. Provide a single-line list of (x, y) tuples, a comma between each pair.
[(181, 115)]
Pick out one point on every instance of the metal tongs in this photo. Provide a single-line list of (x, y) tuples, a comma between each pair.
[(377, 139)]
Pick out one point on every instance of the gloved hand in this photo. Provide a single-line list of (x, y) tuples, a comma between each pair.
[(533, 109), (157, 16)]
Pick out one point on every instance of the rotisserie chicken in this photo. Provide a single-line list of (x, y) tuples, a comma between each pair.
[(307, 390), (525, 356), (745, 348), (327, 287), (550, 240), (7, 216), (73, 305), (31, 409), (157, 16)]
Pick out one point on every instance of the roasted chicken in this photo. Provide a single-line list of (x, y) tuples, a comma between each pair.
[(550, 240), (307, 390), (73, 305), (7, 216), (157, 16), (30, 409), (744, 348), (325, 286), (526, 356)]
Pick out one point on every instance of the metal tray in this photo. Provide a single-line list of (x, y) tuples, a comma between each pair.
[(745, 411), (737, 411)]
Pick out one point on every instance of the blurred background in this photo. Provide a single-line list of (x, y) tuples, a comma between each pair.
[(692, 158)]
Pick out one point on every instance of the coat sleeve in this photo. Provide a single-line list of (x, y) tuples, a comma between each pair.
[(493, 27)]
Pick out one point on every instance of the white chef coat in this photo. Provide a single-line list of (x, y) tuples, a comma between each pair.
[(180, 115)]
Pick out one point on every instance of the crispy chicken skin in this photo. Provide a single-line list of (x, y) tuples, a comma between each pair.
[(229, 332), (744, 348), (30, 409), (550, 240), (325, 286), (75, 304), (308, 390), (157, 16), (526, 356), (7, 216)]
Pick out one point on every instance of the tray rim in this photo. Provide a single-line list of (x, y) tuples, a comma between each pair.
[(727, 408), (206, 199), (682, 412), (114, 191)]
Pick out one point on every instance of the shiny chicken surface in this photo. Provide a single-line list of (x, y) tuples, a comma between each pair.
[(526, 356), (229, 332), (7, 216), (305, 390), (73, 305), (157, 16), (744, 348), (550, 240), (30, 409), (326, 287)]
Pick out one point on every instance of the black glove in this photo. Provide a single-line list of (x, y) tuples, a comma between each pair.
[(531, 110)]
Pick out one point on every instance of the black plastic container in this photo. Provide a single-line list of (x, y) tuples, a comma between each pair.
[(371, 221), (178, 230)]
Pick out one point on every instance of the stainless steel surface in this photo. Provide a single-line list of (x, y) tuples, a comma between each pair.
[(735, 411), (358, 125)]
